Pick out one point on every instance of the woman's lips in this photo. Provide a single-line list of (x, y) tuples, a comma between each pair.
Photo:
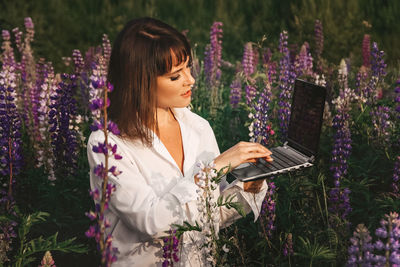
[(187, 94)]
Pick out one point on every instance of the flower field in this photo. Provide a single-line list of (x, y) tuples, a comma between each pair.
[(343, 211)]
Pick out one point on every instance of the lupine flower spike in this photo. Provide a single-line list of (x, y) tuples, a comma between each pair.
[(97, 231)]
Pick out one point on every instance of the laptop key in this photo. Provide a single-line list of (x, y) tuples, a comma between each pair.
[(269, 165), (286, 157), (283, 162)]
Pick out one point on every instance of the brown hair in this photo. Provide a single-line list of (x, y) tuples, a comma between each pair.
[(141, 52)]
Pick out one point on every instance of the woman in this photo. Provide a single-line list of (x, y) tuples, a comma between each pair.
[(161, 143)]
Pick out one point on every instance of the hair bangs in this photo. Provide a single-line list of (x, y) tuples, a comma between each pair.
[(173, 53)]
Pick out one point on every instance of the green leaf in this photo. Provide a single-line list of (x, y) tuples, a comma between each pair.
[(314, 251)]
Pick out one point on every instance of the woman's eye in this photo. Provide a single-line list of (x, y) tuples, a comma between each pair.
[(175, 78)]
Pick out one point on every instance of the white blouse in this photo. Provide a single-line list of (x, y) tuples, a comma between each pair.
[(152, 193)]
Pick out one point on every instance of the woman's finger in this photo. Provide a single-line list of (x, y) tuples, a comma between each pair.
[(256, 148)]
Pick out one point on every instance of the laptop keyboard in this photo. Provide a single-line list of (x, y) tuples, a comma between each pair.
[(280, 161)]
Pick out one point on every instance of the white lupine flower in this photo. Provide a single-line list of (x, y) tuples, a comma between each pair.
[(225, 249)]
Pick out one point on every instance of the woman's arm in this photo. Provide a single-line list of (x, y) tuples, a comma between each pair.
[(135, 202)]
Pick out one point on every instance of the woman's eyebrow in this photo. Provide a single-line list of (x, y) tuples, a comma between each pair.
[(176, 71)]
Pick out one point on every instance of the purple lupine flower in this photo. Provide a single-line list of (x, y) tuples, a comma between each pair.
[(396, 176), (366, 50), (45, 153), (339, 198), (236, 91), (303, 64), (269, 65), (10, 124), (251, 92), (97, 81), (319, 38), (388, 242), (212, 59), (266, 56), (170, 249), (378, 65), (378, 72), (248, 60), (97, 231), (267, 213), (79, 63), (64, 136), (381, 123), (288, 246), (396, 172), (361, 248), (271, 71), (106, 51), (259, 127), (18, 38), (361, 84), (397, 99), (286, 81), (8, 52)]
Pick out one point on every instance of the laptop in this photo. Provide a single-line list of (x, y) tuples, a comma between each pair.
[(300, 148)]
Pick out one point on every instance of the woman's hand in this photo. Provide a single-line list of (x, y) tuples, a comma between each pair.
[(240, 153)]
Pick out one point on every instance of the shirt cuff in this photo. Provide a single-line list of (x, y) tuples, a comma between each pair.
[(184, 191), (253, 200)]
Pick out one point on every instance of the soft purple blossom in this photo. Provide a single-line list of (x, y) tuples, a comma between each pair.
[(319, 38), (381, 123), (248, 59), (339, 197), (267, 214), (286, 82), (366, 50), (397, 97), (304, 62), (102, 171), (266, 56), (170, 249), (396, 176), (288, 246), (45, 153), (260, 125), (236, 91), (387, 245), (10, 124), (213, 53), (106, 45), (251, 92), (378, 72), (361, 248), (63, 111)]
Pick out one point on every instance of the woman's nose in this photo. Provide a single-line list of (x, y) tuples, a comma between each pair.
[(189, 80)]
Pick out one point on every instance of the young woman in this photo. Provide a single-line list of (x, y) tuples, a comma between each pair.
[(161, 143)]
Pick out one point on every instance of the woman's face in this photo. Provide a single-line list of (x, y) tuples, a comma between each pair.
[(174, 88)]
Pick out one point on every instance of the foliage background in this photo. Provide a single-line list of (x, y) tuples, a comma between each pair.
[(61, 26)]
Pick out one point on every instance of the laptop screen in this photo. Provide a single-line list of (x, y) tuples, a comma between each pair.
[(306, 117)]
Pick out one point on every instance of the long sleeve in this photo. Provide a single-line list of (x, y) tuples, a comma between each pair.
[(135, 202), (250, 201)]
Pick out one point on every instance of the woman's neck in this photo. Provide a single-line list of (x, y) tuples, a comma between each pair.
[(164, 116)]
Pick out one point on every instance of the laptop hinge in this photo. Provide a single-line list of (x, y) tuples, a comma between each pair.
[(309, 158)]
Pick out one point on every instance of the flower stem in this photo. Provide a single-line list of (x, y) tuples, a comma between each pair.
[(105, 180)]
